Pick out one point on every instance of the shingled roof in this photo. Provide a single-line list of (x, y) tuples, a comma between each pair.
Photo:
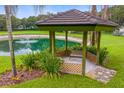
[(75, 17)]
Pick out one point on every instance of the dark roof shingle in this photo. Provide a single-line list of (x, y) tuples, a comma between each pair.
[(75, 17)]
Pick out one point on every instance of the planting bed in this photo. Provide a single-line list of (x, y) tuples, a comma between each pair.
[(7, 80)]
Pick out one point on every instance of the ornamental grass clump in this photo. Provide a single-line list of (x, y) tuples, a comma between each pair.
[(44, 61), (28, 61), (31, 60), (77, 47), (103, 53), (51, 64)]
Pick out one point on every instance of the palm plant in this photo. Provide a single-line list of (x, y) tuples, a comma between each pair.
[(105, 14), (11, 10), (93, 34)]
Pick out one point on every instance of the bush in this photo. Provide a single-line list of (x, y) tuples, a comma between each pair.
[(31, 60), (50, 64), (76, 47), (103, 53), (91, 50), (44, 61), (28, 61)]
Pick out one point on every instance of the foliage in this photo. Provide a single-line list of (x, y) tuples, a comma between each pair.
[(44, 61), (76, 47), (103, 53), (31, 60), (50, 64), (116, 61), (24, 23), (91, 49), (117, 14)]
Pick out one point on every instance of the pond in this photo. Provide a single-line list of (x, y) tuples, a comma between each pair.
[(24, 46)]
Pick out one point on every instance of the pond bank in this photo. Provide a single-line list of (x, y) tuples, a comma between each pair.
[(40, 36)]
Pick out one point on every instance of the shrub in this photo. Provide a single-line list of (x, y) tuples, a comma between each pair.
[(76, 47), (44, 61), (28, 61), (103, 53), (50, 64), (91, 50), (31, 60)]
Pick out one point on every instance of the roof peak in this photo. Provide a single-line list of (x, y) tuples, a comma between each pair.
[(75, 17)]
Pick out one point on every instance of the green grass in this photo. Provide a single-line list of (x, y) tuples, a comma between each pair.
[(5, 63), (30, 32), (115, 46)]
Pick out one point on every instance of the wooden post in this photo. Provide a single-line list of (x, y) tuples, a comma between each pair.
[(66, 41), (98, 46), (84, 52), (93, 39), (52, 42)]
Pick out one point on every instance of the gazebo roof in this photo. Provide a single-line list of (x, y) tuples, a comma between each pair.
[(75, 17)]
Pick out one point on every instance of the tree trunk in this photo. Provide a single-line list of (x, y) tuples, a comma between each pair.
[(105, 14), (93, 34), (11, 47)]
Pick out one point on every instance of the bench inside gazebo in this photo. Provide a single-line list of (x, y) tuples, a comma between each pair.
[(75, 20)]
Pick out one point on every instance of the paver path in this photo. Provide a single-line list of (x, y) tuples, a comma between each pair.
[(101, 74)]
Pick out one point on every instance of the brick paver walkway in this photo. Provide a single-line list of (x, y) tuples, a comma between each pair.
[(101, 74)]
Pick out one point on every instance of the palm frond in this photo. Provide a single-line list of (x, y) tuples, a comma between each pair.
[(14, 9), (39, 8)]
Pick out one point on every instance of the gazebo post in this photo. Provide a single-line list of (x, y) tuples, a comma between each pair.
[(98, 46), (66, 41), (52, 41), (84, 52)]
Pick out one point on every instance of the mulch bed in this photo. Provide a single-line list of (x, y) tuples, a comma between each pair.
[(6, 78)]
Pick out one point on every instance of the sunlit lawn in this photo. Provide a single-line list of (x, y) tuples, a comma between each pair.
[(115, 46)]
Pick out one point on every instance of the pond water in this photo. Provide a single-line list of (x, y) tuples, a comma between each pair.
[(24, 46)]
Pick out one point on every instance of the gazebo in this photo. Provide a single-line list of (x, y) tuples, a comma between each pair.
[(75, 20)]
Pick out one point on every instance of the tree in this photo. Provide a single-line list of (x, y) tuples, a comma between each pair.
[(16, 22), (2, 22), (93, 33), (117, 14), (105, 14), (8, 11)]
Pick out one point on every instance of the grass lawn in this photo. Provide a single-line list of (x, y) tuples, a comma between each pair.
[(115, 46)]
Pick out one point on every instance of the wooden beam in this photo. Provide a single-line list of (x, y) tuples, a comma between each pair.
[(85, 33), (66, 41), (80, 28), (52, 41), (98, 46)]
